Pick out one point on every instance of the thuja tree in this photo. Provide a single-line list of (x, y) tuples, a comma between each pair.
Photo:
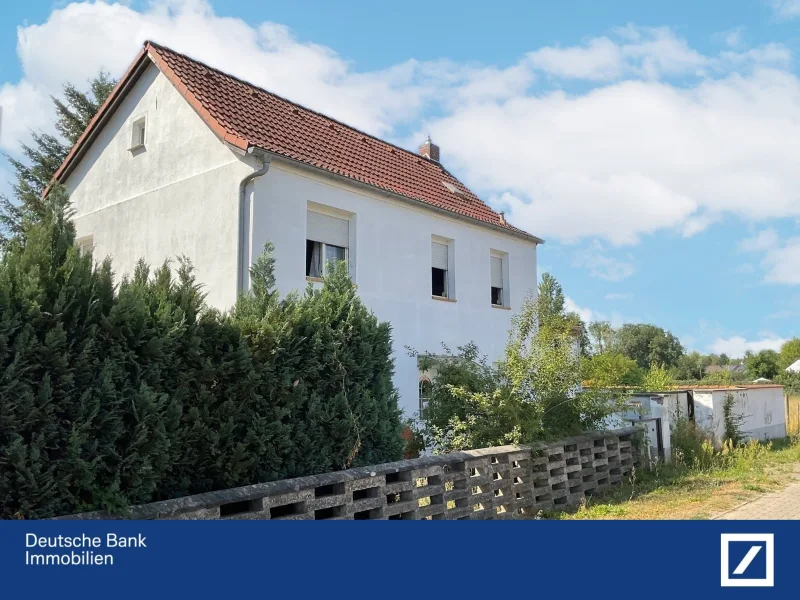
[(39, 161), (110, 397), (77, 428), (325, 359)]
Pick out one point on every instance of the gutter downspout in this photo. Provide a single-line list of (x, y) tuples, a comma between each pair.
[(243, 233)]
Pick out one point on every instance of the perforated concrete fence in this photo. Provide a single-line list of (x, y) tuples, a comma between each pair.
[(492, 483)]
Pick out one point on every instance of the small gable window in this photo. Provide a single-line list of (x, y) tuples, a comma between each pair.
[(85, 245), (139, 133)]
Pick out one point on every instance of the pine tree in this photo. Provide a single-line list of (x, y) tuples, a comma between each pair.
[(41, 159)]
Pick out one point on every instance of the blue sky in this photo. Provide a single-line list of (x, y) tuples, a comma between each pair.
[(652, 144)]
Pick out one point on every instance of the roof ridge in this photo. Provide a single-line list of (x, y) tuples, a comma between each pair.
[(244, 115), (297, 104)]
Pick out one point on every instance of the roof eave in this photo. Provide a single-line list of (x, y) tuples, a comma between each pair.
[(419, 203)]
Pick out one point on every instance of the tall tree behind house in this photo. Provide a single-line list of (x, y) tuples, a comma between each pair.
[(41, 159)]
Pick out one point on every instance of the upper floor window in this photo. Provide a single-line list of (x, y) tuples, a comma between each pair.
[(497, 280), (327, 239), (85, 244), (139, 133), (498, 272), (441, 269)]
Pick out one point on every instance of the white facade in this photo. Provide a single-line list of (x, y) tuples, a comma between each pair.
[(179, 195), (763, 409)]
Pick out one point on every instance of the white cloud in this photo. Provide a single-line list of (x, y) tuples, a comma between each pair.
[(786, 9), (782, 264), (780, 259), (731, 38), (697, 224), (601, 265), (636, 154), (587, 315), (80, 38), (635, 157), (764, 240), (648, 52), (737, 346)]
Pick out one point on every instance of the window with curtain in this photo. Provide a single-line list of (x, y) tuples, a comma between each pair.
[(496, 268), (439, 268), (327, 240)]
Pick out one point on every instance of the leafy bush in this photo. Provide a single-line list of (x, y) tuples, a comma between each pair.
[(114, 397), (611, 369), (691, 446), (534, 394), (791, 381)]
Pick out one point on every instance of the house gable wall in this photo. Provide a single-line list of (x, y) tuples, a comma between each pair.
[(176, 196)]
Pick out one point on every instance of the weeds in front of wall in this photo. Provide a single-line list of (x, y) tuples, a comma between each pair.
[(698, 482), (733, 422)]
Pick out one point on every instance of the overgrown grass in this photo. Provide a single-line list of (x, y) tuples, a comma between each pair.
[(715, 483)]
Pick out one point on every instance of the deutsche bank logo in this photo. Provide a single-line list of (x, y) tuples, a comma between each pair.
[(748, 559)]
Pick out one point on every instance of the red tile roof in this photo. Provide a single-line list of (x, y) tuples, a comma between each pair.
[(246, 116)]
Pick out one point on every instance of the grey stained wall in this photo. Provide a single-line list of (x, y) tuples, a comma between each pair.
[(492, 483)]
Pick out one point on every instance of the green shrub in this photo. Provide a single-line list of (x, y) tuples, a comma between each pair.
[(533, 394), (115, 397), (691, 446), (732, 422)]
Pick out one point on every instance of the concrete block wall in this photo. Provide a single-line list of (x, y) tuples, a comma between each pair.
[(491, 483)]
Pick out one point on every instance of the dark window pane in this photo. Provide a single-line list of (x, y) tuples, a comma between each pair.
[(438, 282), (497, 295), (309, 254)]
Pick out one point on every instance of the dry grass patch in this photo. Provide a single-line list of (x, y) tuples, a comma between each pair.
[(681, 492)]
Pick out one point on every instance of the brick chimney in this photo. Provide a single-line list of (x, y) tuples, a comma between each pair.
[(430, 150)]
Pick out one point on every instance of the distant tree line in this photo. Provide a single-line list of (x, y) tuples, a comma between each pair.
[(625, 354)]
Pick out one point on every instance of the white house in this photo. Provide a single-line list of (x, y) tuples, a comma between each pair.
[(185, 159), (794, 367)]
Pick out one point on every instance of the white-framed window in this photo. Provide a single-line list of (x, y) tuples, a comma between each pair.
[(139, 132), (498, 274), (442, 268), (496, 270), (85, 244), (327, 239), (425, 386)]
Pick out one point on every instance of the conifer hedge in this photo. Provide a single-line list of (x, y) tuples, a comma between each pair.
[(113, 396)]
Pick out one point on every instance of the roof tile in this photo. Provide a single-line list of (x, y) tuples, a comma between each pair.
[(277, 125)]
